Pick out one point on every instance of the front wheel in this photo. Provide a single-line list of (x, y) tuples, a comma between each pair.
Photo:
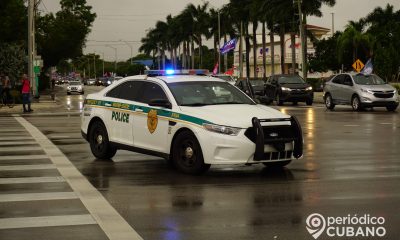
[(391, 108), (356, 104), (279, 101), (187, 155), (329, 102), (309, 102), (277, 164), (99, 142)]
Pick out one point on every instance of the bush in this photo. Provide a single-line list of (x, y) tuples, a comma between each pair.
[(316, 83), (397, 86)]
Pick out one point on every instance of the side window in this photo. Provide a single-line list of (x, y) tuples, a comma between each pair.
[(127, 90), (338, 79), (151, 91), (347, 80)]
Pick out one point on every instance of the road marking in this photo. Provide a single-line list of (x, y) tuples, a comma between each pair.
[(386, 123), (12, 130), (23, 157), (50, 221), (22, 197), (58, 137), (351, 125), (11, 138), (113, 225), (17, 149), (27, 167), (17, 143), (31, 180)]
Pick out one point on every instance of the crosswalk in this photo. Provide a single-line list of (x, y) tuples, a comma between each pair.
[(43, 195)]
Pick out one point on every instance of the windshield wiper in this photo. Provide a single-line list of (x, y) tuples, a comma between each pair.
[(194, 105), (229, 103)]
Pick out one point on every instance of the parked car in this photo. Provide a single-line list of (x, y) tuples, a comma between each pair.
[(289, 88), (258, 88), (360, 91), (91, 81), (75, 86)]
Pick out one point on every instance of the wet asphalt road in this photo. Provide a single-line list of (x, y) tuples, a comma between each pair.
[(351, 166)]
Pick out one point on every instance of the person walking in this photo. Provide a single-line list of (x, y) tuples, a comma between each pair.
[(26, 92), (6, 88)]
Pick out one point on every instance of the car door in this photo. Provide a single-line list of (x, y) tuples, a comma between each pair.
[(118, 102), (347, 89), (150, 128), (335, 86)]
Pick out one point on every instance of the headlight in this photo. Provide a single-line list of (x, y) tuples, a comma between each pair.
[(108, 82), (309, 88), (232, 131), (366, 91), (286, 89)]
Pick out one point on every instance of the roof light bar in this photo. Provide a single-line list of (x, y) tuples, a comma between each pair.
[(170, 72)]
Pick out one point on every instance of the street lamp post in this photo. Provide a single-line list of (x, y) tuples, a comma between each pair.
[(127, 44), (219, 42), (116, 56), (94, 64), (333, 23), (303, 41)]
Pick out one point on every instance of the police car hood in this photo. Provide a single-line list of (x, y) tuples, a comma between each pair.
[(234, 115)]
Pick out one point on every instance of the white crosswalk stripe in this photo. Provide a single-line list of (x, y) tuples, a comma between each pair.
[(17, 143), (23, 157), (27, 167), (18, 197), (48, 221), (31, 180), (18, 149)]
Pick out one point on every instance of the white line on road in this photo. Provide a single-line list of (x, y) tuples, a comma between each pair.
[(31, 180), (49, 221), (351, 125), (386, 123), (11, 138), (17, 143), (22, 197), (18, 149), (113, 225), (23, 157), (12, 130), (27, 167)]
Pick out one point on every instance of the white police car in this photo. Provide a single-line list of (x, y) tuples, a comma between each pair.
[(177, 115)]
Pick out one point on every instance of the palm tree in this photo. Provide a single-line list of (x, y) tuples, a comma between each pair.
[(149, 46)]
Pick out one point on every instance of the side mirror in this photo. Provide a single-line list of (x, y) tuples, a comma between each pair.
[(160, 103)]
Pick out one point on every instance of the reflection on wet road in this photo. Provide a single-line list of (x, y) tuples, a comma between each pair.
[(350, 166)]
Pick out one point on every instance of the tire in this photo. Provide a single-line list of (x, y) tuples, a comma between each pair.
[(186, 144), (391, 108), (309, 102), (279, 101), (356, 103), (329, 102), (99, 143), (277, 164), (68, 93)]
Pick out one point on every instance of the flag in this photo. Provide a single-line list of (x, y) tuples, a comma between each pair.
[(368, 68), (215, 71), (230, 45)]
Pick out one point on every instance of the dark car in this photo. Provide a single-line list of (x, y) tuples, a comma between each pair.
[(289, 88), (258, 86)]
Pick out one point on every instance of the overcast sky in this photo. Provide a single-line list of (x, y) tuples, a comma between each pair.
[(128, 20)]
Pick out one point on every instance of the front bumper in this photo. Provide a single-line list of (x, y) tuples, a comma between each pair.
[(240, 149), (369, 100), (300, 96)]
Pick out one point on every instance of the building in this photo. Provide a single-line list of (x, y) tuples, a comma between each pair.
[(318, 32)]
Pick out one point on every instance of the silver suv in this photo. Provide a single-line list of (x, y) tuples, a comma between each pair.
[(360, 91)]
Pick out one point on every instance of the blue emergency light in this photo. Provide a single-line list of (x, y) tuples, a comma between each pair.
[(169, 72)]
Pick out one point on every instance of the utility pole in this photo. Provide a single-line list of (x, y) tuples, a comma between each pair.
[(127, 44), (303, 41), (116, 56), (219, 42), (94, 64), (333, 23), (31, 45), (88, 61)]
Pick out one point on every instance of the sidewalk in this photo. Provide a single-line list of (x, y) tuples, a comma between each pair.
[(43, 104)]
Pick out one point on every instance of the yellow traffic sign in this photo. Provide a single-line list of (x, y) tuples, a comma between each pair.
[(358, 65)]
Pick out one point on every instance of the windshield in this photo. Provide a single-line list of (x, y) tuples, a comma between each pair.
[(290, 80), (368, 80), (74, 83), (255, 83), (207, 93)]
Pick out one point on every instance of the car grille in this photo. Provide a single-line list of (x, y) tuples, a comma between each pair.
[(74, 88), (298, 91), (382, 94), (272, 134), (278, 155)]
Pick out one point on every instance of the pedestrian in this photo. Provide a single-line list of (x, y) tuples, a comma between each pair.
[(26, 93), (6, 88)]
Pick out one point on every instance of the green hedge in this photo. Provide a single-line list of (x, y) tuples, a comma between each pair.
[(397, 86)]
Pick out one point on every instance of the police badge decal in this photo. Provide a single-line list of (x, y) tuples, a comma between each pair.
[(152, 120)]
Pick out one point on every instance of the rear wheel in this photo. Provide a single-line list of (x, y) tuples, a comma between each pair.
[(99, 142), (391, 108), (309, 102), (356, 104), (187, 155), (277, 164), (329, 102)]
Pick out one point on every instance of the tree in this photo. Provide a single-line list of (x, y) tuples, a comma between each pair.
[(12, 60), (63, 35), (13, 22)]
